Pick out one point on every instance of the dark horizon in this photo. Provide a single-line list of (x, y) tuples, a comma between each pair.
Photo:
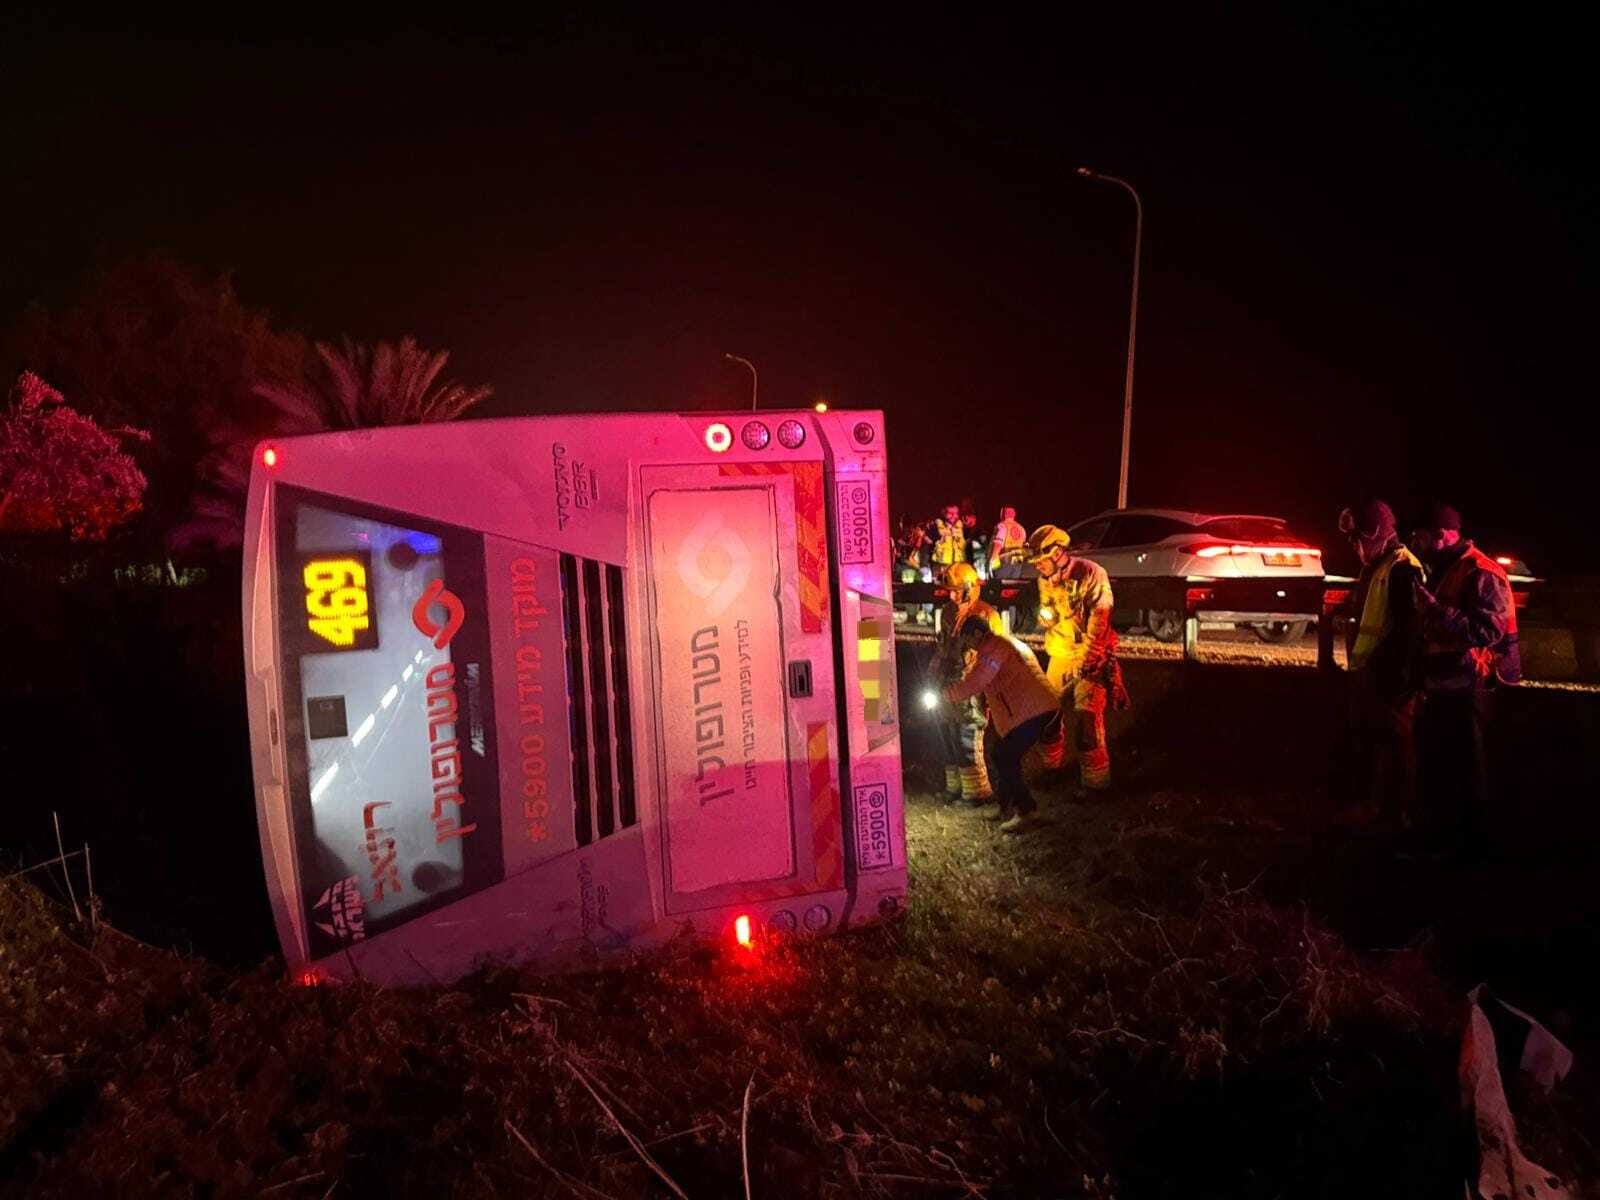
[(1365, 258)]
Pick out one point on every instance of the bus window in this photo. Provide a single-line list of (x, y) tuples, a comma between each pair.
[(388, 710)]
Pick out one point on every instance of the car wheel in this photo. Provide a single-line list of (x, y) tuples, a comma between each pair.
[(1279, 632), (1164, 624)]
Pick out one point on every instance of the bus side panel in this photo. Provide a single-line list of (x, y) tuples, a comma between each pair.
[(872, 797)]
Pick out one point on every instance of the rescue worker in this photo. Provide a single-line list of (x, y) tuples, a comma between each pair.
[(1469, 648), (908, 549), (1383, 650), (1022, 706), (1007, 544), (977, 548), (976, 741), (947, 666), (947, 536), (1075, 609)]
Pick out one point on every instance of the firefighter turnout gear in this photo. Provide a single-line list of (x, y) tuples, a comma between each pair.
[(1075, 605), (962, 725)]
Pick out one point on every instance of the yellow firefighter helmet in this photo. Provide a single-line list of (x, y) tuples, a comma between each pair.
[(961, 576), (1045, 540)]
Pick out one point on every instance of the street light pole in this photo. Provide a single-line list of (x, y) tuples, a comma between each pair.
[(1133, 325), (755, 382)]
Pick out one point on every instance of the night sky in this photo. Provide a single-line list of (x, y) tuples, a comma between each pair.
[(1369, 237)]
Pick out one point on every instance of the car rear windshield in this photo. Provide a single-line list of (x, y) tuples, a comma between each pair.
[(1247, 529)]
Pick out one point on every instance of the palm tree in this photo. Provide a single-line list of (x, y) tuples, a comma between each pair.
[(359, 387), (347, 387)]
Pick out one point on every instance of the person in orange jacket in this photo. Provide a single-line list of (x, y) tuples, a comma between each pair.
[(1023, 708)]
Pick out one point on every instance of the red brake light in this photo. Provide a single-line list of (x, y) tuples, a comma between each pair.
[(1220, 549), (269, 456), (741, 930), (718, 437)]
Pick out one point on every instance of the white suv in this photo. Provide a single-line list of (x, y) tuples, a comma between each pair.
[(1167, 541)]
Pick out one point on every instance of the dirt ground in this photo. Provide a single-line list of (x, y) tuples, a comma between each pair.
[(1200, 988)]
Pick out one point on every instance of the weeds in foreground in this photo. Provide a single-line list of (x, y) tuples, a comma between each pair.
[(1016, 1032)]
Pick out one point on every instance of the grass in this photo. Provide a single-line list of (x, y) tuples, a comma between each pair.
[(1146, 998)]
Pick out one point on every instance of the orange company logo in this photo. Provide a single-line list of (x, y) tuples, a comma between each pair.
[(454, 613)]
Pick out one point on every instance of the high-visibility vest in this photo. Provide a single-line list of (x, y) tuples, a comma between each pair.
[(1503, 660), (1375, 619), (1009, 536), (949, 543)]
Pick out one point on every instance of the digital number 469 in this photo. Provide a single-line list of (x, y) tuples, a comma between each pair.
[(336, 599)]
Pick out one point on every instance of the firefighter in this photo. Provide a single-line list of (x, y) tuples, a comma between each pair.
[(1023, 708), (1469, 649), (1075, 609), (1383, 650), (977, 735), (1007, 544), (947, 536)]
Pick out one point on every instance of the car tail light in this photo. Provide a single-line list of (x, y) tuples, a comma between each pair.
[(1333, 598), (269, 456), (1196, 597), (741, 930), (1222, 549)]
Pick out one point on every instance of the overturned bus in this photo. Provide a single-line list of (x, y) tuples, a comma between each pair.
[(547, 689)]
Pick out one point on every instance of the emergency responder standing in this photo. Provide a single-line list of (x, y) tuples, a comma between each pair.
[(963, 604), (1075, 609), (1469, 648), (1383, 647), (1022, 707), (947, 537), (1007, 545)]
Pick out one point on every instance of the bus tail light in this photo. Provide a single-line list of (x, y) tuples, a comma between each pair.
[(718, 437), (792, 434)]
